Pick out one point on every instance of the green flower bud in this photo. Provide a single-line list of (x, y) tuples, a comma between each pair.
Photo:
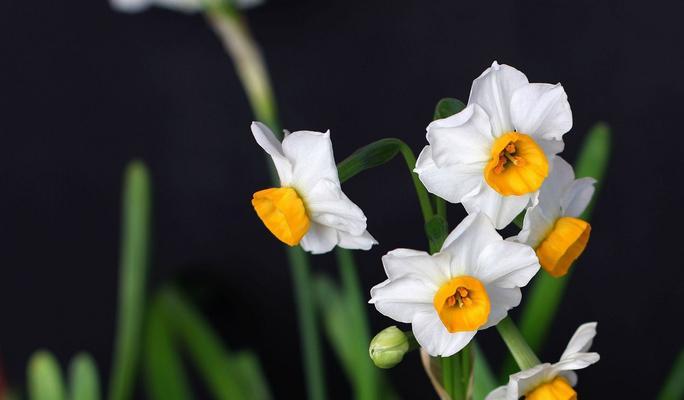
[(388, 347)]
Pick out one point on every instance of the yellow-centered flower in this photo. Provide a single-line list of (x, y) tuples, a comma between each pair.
[(553, 226), (468, 286), (552, 381), (309, 208), (494, 155)]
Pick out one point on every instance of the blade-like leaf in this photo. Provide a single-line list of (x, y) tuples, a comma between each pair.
[(448, 107), (593, 159), (436, 230), (484, 381), (367, 157), (45, 380), (216, 364), (135, 237), (673, 389), (165, 377), (84, 380)]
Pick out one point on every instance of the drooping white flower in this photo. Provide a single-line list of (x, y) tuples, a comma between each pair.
[(552, 381), (468, 286), (309, 208), (553, 226), (493, 156), (187, 6)]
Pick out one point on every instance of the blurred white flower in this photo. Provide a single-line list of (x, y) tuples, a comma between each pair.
[(552, 381), (493, 156), (468, 286), (552, 226), (187, 6), (309, 208)]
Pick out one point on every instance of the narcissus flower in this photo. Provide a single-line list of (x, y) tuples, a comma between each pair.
[(552, 381), (468, 286), (494, 155), (187, 6), (552, 226), (309, 207)]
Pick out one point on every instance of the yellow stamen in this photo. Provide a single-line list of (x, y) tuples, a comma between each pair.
[(462, 304), (557, 389), (283, 213), (518, 165), (563, 245)]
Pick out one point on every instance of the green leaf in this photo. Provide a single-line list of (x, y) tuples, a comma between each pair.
[(246, 367), (673, 388), (215, 363), (436, 229), (484, 381), (165, 377), (84, 380), (448, 107), (135, 238), (45, 381), (593, 159), (367, 157)]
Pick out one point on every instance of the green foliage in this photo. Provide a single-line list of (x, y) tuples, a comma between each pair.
[(673, 388), (448, 107), (84, 380), (436, 230), (367, 157), (135, 237), (45, 380)]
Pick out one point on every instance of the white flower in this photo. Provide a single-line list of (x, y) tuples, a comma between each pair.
[(309, 208), (552, 381), (493, 156), (468, 286), (187, 6), (552, 226)]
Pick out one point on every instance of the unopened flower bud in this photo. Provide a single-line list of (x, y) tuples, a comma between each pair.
[(388, 347)]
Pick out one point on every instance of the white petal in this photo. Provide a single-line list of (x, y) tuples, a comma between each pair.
[(576, 361), (267, 140), (434, 337), (525, 381), (501, 300), (364, 241), (550, 147), (319, 239), (311, 155), (402, 298), (581, 340), (577, 197), (535, 227), (187, 6), (452, 183), (502, 210), (493, 91), (433, 270), (569, 376), (541, 110), (500, 393), (328, 205), (461, 138), (467, 241), (129, 5), (507, 264)]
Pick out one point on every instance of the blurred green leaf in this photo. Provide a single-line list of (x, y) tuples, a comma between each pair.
[(546, 292), (165, 377), (484, 381), (448, 107), (673, 388), (228, 377), (45, 381), (367, 157), (437, 230), (84, 380), (135, 238)]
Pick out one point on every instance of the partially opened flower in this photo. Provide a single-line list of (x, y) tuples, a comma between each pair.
[(309, 207), (494, 155), (553, 226), (552, 381), (188, 6), (468, 286)]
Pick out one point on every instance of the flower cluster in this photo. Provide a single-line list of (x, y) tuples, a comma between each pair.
[(498, 157)]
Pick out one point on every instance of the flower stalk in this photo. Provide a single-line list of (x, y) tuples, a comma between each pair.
[(520, 350)]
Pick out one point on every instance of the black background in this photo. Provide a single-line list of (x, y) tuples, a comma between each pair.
[(84, 89)]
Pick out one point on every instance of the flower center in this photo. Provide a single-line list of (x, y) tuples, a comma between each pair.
[(557, 389), (518, 165), (283, 213), (462, 304), (563, 245)]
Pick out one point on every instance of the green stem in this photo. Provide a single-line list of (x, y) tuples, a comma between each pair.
[(421, 192), (251, 69), (520, 350), (441, 207)]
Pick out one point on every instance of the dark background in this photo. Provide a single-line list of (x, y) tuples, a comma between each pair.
[(83, 90)]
